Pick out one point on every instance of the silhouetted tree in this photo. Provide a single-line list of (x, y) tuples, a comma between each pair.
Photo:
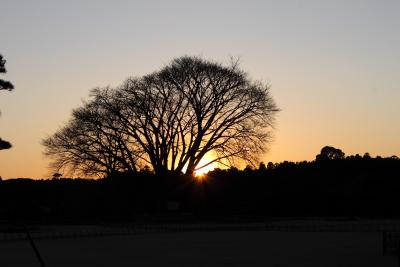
[(4, 144), (366, 156), (92, 144), (4, 85), (188, 109), (193, 107), (262, 166), (270, 165), (329, 152), (57, 175)]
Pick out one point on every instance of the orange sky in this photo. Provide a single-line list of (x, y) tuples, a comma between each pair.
[(332, 65)]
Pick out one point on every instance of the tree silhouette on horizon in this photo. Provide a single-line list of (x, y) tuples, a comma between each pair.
[(170, 120), (4, 85), (329, 153), (349, 187)]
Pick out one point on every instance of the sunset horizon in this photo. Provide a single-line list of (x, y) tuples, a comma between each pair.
[(332, 68), (199, 133)]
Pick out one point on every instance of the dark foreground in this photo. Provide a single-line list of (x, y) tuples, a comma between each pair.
[(230, 248), (349, 187)]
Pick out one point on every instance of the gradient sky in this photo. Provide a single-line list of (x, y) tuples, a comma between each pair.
[(333, 65)]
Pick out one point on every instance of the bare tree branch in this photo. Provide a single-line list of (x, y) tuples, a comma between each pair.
[(171, 119)]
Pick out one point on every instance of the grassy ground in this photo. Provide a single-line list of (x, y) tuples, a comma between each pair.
[(215, 248)]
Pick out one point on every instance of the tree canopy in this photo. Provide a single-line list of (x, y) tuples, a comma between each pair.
[(4, 85), (329, 152), (170, 119)]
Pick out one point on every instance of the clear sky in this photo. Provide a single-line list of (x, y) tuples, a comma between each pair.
[(333, 65)]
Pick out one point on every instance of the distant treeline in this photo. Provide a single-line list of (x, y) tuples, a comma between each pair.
[(353, 186)]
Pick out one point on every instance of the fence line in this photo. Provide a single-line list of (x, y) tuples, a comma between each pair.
[(282, 226)]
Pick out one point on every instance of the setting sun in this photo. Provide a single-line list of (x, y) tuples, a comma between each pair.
[(204, 170)]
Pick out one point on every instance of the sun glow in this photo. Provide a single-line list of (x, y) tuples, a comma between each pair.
[(204, 170)]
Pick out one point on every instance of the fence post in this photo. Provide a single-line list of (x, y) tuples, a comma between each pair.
[(384, 242), (35, 249)]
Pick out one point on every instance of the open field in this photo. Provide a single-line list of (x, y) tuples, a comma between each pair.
[(207, 247)]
